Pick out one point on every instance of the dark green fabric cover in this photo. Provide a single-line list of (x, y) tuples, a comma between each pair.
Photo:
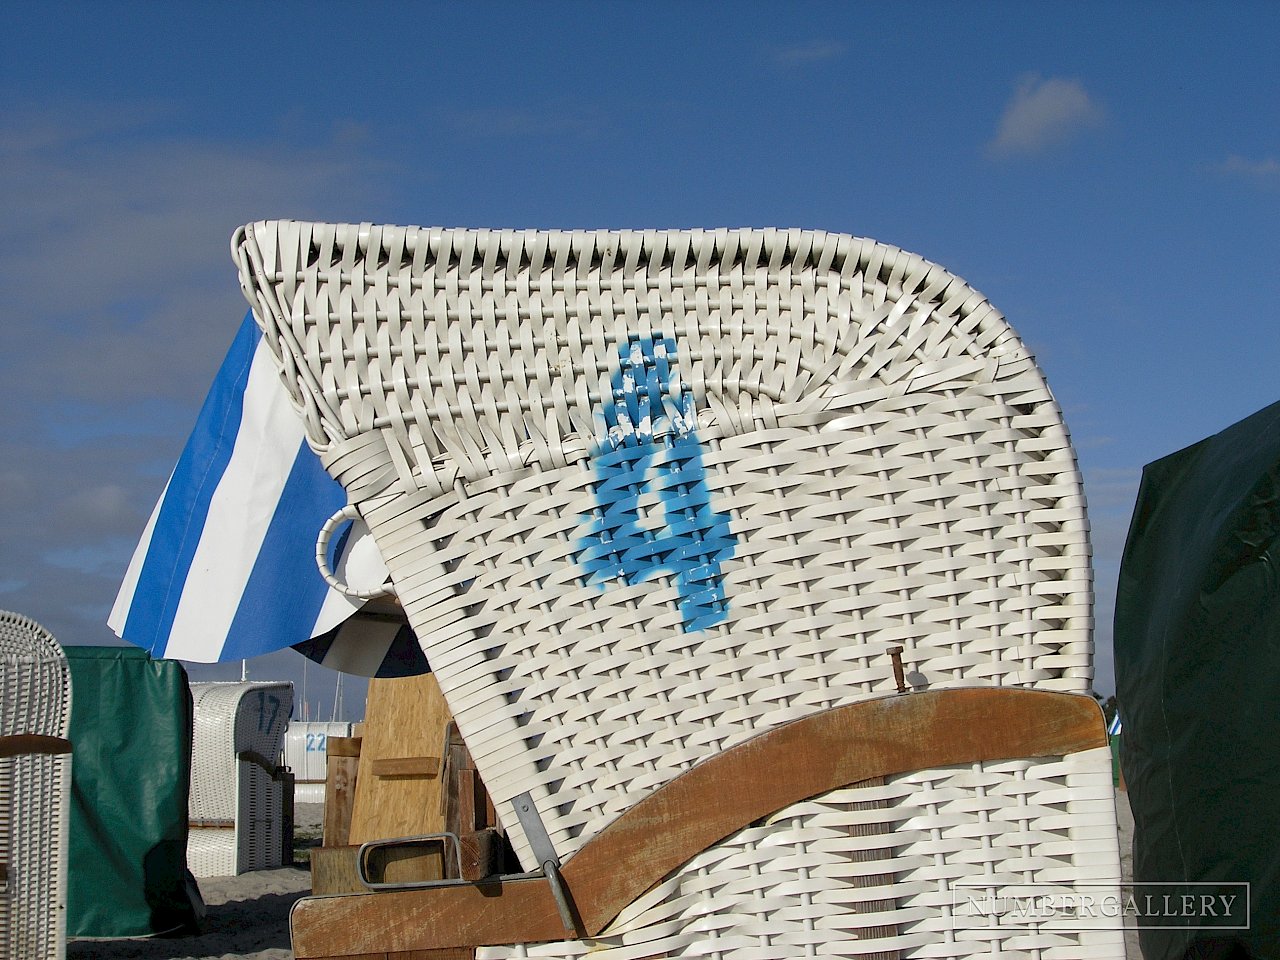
[(131, 724), (1197, 641)]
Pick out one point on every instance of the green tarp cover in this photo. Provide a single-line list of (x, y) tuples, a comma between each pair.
[(131, 723), (1197, 640)]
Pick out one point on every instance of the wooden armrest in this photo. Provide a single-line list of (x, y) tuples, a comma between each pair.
[(21, 744), (691, 813)]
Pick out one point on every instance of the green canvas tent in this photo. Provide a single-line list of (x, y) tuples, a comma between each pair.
[(131, 724), (1197, 642)]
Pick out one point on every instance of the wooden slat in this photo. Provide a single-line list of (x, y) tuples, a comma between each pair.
[(342, 746), (520, 911), (468, 812), (339, 796), (802, 759), (333, 870), (405, 767), (21, 744)]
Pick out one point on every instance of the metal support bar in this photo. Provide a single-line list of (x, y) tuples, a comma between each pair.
[(535, 831)]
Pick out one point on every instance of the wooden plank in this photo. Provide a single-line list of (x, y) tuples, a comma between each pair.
[(333, 870), (405, 767), (802, 759), (339, 797), (469, 813), (23, 744), (466, 915), (342, 747), (479, 853), (404, 718)]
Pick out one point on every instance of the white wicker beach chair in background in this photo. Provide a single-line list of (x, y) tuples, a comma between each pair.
[(35, 790), (236, 792), (306, 751), (665, 502)]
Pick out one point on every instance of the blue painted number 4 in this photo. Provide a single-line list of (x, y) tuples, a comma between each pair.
[(652, 447)]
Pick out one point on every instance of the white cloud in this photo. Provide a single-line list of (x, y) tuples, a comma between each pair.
[(1044, 114), (99, 504), (102, 216), (1264, 173)]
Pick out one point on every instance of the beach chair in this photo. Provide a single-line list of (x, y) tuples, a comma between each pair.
[(35, 790), (241, 797), (753, 566)]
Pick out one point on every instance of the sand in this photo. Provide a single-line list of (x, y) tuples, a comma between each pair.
[(248, 915)]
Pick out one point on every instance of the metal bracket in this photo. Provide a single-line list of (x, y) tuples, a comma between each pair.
[(535, 831), (362, 860)]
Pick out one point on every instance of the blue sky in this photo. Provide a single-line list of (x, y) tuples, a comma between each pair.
[(1108, 175)]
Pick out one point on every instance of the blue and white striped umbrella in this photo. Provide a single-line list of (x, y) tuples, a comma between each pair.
[(225, 569)]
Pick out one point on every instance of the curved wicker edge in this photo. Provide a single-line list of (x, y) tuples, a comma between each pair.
[(790, 763), (282, 263), (35, 788)]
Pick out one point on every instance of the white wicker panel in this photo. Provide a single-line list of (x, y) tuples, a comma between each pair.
[(308, 793), (212, 852), (35, 792), (231, 718), (883, 452)]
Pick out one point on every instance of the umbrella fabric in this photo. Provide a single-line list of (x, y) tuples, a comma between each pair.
[(225, 569)]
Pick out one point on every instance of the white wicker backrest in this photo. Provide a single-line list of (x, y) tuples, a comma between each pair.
[(35, 791), (35, 688), (643, 494), (231, 718)]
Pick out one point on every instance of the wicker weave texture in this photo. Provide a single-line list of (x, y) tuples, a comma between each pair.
[(35, 791), (644, 494), (231, 718)]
